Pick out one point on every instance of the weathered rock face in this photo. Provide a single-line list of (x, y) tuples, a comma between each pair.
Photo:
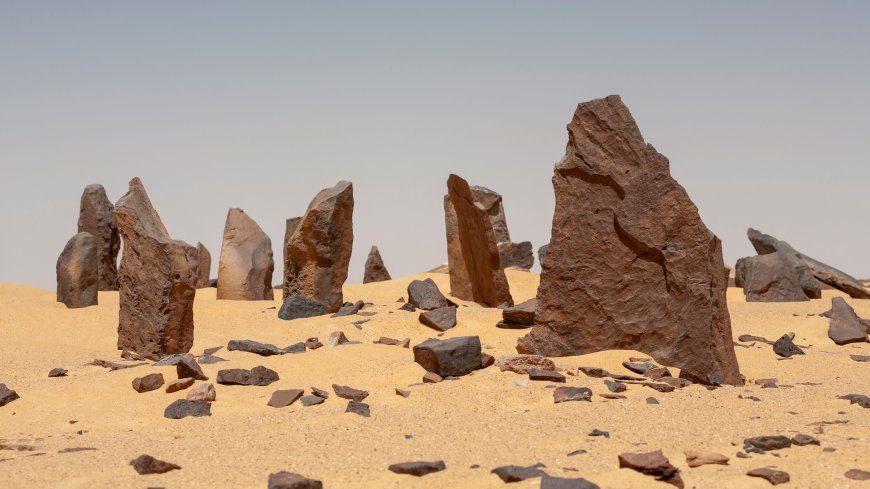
[(318, 252), (375, 271), (542, 252), (78, 272), (810, 270), (203, 267), (474, 235), (630, 264), (455, 356), (290, 228), (492, 203), (845, 326), (97, 217), (518, 255), (157, 281), (246, 264), (770, 278)]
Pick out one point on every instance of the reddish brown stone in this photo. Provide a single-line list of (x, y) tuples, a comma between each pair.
[(346, 392), (179, 385), (440, 319), (284, 398), (157, 281), (486, 282), (150, 382), (318, 252), (775, 477), (97, 217), (654, 464), (375, 270), (77, 269), (246, 264), (845, 326), (770, 278), (630, 264), (146, 464), (203, 267)]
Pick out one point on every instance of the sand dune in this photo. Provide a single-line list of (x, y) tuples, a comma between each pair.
[(480, 419)]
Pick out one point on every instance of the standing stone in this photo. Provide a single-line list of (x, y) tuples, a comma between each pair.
[(493, 205), (246, 264), (845, 326), (318, 252), (97, 217), (460, 285), (157, 281), (630, 264), (517, 255), (203, 267), (290, 228), (487, 283), (78, 272), (769, 278), (375, 271)]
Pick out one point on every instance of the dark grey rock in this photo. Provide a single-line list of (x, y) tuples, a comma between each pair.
[(297, 307), (146, 464), (417, 468), (260, 376), (289, 480), (360, 408), (183, 408), (452, 357), (262, 349), (440, 319)]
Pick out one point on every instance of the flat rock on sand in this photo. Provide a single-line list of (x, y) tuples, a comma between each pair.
[(418, 468), (440, 319), (202, 392), (521, 364), (845, 326), (775, 477), (289, 480), (654, 464), (183, 408), (260, 376), (7, 395), (452, 357), (424, 294), (146, 464)]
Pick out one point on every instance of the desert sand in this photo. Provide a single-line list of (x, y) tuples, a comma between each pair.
[(481, 419)]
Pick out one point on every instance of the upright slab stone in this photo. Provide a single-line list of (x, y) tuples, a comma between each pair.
[(765, 244), (375, 270), (318, 252), (289, 229), (203, 267), (630, 264), (460, 285), (157, 281), (769, 278), (97, 217), (493, 205), (78, 272), (246, 264), (486, 281)]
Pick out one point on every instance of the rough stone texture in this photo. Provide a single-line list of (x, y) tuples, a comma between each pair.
[(452, 357), (493, 205), (260, 376), (424, 294), (486, 282), (297, 307), (58, 372), (250, 346), (359, 408), (769, 278), (785, 347), (183, 408), (654, 464), (203, 267), (179, 385), (188, 368), (542, 252), (775, 477), (517, 473), (565, 394), (78, 272), (157, 281), (811, 271), (417, 468), (440, 319), (246, 264), (346, 392), (697, 458), (548, 482), (285, 397), (630, 263), (522, 313), (202, 392), (517, 255), (845, 326), (375, 270), (521, 364), (146, 464), (97, 217), (150, 382), (289, 228), (318, 252), (289, 480), (7, 395)]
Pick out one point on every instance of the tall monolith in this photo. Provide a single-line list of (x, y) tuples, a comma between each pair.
[(97, 217), (246, 263)]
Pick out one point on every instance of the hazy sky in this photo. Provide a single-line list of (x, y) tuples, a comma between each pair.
[(762, 107)]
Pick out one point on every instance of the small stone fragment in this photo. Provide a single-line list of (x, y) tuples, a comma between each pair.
[(336, 338), (860, 358), (320, 392), (289, 480), (313, 343), (294, 348), (845, 326), (638, 368), (652, 400), (346, 392), (418, 468), (784, 347), (298, 307), (516, 473), (179, 385), (597, 432), (452, 357), (857, 475), (383, 340), (431, 378), (615, 386), (546, 375), (696, 458), (284, 398), (311, 400), (202, 392), (802, 440), (187, 367), (183, 408), (766, 443), (250, 346), (260, 376), (58, 372), (403, 393), (375, 271), (210, 359), (440, 319), (521, 364), (522, 314), (360, 408), (7, 395), (859, 399), (349, 309), (146, 464), (148, 383), (775, 477), (564, 394), (654, 464), (548, 482)]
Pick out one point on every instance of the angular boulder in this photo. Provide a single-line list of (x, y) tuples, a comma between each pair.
[(440, 319), (318, 252), (298, 307), (78, 276), (518, 255), (452, 357), (246, 264), (845, 326), (630, 264), (770, 278), (424, 294), (203, 267), (157, 281), (97, 217), (375, 271), (486, 282)]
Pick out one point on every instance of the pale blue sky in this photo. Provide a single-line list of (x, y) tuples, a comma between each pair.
[(762, 107)]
